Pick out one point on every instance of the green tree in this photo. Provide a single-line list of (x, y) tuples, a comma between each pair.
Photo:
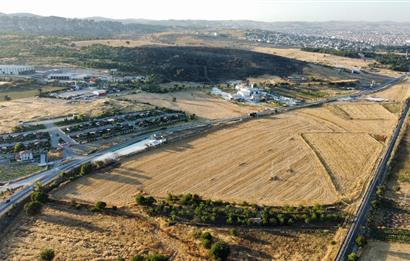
[(100, 205), (38, 186), (47, 255), (18, 147), (360, 241), (32, 208), (352, 257), (146, 201), (219, 251), (206, 240), (39, 196), (85, 169)]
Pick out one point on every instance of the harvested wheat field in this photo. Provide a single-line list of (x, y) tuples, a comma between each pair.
[(343, 155), (31, 109), (265, 161), (386, 251), (78, 234), (396, 93), (200, 103)]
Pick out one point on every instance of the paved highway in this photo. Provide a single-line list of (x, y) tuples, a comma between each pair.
[(47, 176)]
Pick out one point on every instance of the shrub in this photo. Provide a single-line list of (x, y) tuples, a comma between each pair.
[(32, 208), (206, 235), (137, 258), (352, 257), (233, 232), (100, 205), (120, 258), (186, 199), (206, 243), (47, 255), (197, 233), (39, 196), (146, 201), (219, 251)]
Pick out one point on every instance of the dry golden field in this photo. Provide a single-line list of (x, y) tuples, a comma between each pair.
[(326, 59), (82, 235), (317, 155), (396, 93), (31, 109), (344, 155), (385, 251), (200, 103)]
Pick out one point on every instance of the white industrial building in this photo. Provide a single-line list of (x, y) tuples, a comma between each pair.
[(68, 76), (16, 69)]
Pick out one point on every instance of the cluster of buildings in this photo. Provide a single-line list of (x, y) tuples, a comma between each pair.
[(251, 94), (342, 40)]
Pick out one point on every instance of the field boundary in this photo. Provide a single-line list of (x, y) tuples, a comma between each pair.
[(329, 172)]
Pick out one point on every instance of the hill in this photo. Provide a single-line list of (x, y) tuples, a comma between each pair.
[(24, 23), (200, 64)]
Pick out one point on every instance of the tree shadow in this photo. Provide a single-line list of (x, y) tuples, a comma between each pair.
[(70, 222)]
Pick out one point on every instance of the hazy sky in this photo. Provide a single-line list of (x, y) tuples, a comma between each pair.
[(262, 10)]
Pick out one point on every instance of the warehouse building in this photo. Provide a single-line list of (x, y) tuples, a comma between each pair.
[(16, 69)]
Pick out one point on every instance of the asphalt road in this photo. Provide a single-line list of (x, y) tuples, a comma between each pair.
[(48, 176)]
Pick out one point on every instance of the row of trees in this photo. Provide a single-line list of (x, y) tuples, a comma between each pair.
[(193, 208), (37, 199)]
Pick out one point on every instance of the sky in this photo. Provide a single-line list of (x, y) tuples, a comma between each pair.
[(259, 10)]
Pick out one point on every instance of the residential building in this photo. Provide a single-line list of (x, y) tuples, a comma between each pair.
[(24, 155)]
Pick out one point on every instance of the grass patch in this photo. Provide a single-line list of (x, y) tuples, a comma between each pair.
[(392, 107), (16, 170), (26, 92)]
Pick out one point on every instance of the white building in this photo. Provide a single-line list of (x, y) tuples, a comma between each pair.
[(16, 69), (24, 155), (248, 93), (68, 76)]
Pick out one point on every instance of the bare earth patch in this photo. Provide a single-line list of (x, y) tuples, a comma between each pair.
[(200, 103)]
